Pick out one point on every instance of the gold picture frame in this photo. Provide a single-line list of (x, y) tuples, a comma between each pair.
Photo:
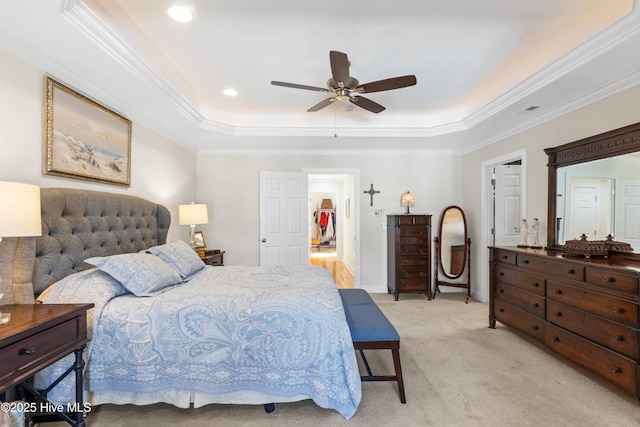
[(83, 139)]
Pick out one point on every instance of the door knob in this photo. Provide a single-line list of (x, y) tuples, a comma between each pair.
[(264, 240)]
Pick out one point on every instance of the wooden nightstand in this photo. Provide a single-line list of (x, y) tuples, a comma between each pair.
[(37, 336), (216, 260)]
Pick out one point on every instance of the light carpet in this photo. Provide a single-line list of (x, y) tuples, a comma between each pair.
[(457, 372)]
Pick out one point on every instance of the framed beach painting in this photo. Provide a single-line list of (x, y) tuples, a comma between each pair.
[(83, 139)]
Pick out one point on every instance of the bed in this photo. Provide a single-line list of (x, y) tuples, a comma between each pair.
[(167, 328)]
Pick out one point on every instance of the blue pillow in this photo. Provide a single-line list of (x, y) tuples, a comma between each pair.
[(141, 274), (180, 256)]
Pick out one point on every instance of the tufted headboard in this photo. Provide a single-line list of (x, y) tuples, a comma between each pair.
[(76, 225)]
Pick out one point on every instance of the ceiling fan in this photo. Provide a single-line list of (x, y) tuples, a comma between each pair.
[(344, 87)]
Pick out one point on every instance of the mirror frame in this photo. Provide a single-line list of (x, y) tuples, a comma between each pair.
[(620, 141), (466, 244)]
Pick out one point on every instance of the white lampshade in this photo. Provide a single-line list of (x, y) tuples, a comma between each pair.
[(19, 210), (408, 199), (193, 214)]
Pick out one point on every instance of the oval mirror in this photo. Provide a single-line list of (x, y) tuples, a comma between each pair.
[(452, 247)]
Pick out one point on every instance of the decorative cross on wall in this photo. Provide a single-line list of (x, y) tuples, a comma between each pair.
[(371, 192)]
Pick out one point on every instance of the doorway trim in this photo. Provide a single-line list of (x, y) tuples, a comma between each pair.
[(354, 208), (486, 171)]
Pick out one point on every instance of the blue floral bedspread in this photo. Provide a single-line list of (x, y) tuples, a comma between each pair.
[(278, 330)]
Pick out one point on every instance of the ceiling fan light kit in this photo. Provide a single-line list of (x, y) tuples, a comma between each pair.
[(347, 88)]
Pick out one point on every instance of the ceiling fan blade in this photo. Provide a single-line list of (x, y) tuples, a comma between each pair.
[(387, 84), (321, 105), (297, 86), (367, 104), (339, 67)]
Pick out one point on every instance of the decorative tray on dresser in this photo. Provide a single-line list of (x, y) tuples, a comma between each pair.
[(586, 310)]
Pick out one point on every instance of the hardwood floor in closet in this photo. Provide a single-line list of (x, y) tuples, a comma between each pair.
[(340, 273)]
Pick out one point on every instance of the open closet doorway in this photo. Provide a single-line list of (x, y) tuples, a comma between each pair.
[(333, 224)]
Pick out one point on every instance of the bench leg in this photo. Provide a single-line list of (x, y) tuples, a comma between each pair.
[(366, 364), (396, 364)]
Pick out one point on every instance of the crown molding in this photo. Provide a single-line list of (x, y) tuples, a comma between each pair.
[(90, 25)]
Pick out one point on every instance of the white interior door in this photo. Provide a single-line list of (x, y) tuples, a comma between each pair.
[(507, 202), (591, 205), (628, 212), (284, 238)]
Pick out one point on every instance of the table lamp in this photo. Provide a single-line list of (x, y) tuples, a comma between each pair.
[(193, 214), (19, 215), (407, 201)]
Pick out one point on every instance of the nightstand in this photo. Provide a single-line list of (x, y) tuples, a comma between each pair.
[(37, 336), (216, 260)]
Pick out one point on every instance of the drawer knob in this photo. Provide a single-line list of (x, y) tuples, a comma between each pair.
[(501, 291), (501, 310), (535, 285), (617, 338), (557, 313), (556, 291), (505, 257), (554, 339), (569, 271), (526, 261), (29, 351), (615, 370), (534, 305), (609, 279), (617, 310), (534, 327)]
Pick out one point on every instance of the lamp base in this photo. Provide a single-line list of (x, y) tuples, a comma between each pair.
[(5, 318), (192, 235)]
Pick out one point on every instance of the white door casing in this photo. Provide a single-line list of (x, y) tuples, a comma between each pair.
[(284, 232)]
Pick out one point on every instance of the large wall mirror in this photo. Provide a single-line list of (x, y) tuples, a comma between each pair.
[(453, 251), (594, 189)]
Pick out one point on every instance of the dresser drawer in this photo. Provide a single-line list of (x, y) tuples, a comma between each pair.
[(413, 273), (612, 280), (413, 285), (551, 268), (609, 334), (421, 240), (519, 319), (421, 261), (616, 369), (413, 220), (21, 354), (621, 311), (522, 280), (534, 304), (506, 257), (413, 250)]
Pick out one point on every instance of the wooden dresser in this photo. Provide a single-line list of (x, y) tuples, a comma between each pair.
[(585, 310), (409, 254)]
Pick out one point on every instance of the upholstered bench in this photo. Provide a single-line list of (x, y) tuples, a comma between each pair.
[(371, 330)]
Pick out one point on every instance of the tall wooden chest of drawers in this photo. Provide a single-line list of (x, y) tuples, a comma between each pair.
[(585, 310), (409, 254)]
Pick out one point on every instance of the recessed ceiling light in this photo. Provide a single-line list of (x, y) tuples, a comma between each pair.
[(180, 13), (230, 92)]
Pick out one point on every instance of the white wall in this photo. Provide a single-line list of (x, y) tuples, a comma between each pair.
[(610, 113), (161, 171), (229, 184)]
